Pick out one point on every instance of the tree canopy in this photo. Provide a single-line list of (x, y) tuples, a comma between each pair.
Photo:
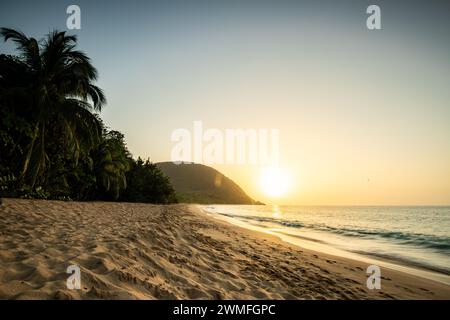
[(53, 143)]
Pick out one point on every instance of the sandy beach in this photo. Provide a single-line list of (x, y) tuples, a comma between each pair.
[(141, 251)]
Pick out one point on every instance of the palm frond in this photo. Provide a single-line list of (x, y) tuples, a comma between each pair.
[(28, 47)]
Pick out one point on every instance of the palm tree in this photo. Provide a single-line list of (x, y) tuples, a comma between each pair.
[(111, 163), (52, 84)]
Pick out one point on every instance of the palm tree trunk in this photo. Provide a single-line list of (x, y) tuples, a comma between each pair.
[(30, 151), (40, 166)]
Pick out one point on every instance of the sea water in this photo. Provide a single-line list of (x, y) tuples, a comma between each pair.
[(412, 236)]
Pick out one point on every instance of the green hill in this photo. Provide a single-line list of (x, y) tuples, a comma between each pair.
[(196, 183)]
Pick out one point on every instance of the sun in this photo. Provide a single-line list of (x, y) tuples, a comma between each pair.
[(274, 181)]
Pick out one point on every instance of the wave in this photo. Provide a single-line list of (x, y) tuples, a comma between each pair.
[(407, 238), (427, 265)]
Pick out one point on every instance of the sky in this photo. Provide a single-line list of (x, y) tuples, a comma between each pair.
[(363, 115)]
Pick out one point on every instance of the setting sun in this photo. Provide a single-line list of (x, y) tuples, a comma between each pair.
[(274, 181)]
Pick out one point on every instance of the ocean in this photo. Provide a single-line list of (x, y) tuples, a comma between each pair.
[(418, 237)]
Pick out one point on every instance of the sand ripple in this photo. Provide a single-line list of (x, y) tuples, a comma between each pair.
[(141, 251)]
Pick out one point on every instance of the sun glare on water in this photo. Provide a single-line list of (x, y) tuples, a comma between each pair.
[(274, 181)]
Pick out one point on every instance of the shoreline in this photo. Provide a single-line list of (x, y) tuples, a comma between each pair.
[(402, 265), (144, 251)]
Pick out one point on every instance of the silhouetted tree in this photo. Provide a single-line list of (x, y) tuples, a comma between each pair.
[(50, 84), (53, 144), (147, 183)]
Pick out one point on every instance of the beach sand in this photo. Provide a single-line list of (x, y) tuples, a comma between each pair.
[(142, 251)]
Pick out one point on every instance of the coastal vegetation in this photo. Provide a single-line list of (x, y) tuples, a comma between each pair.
[(53, 143)]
